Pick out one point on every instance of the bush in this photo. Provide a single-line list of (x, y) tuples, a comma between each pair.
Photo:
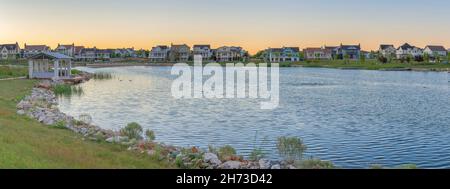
[(132, 131), (75, 72), (226, 152), (256, 155), (102, 76), (383, 59), (407, 166), (291, 148), (85, 118), (67, 90), (315, 164), (150, 135), (59, 125)]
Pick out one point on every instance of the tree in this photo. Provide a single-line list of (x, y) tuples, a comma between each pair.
[(409, 58), (362, 58), (426, 58), (346, 58), (448, 57), (383, 59)]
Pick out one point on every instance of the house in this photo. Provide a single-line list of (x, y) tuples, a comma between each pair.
[(284, 54), (94, 54), (318, 53), (349, 51), (228, 54), (30, 50), (159, 53), (179, 53), (387, 50), (9, 51), (432, 51), (124, 53), (407, 50), (77, 51), (68, 50), (204, 50), (368, 55)]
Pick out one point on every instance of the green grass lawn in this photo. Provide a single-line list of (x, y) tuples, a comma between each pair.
[(373, 65), (13, 71), (25, 143)]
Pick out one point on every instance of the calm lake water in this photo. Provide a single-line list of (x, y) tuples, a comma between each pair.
[(354, 118)]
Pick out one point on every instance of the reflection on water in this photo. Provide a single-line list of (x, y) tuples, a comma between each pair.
[(354, 118)]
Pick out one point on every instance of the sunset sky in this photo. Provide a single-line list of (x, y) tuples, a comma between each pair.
[(252, 24)]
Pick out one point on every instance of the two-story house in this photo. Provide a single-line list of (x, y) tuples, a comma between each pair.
[(30, 50), (318, 53), (159, 53), (349, 51), (387, 50), (228, 54), (408, 50), (204, 50), (9, 51), (68, 50), (284, 54), (433, 51), (179, 53)]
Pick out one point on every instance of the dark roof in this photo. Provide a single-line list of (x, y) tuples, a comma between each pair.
[(36, 47), (383, 47), (295, 49), (50, 55), (436, 48), (10, 47), (350, 47), (202, 46), (406, 46)]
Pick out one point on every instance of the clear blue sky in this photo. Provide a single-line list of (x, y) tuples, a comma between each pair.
[(253, 24)]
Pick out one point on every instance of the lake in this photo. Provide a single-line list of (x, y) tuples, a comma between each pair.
[(354, 118)]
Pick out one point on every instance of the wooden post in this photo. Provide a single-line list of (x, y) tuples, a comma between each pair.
[(30, 69), (56, 69), (70, 68)]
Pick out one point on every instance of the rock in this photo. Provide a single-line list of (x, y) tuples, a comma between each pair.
[(21, 112), (211, 159), (291, 167), (45, 84), (276, 166), (264, 164), (151, 152), (117, 139), (231, 165)]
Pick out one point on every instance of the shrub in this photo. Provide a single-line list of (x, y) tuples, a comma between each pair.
[(102, 76), (59, 125), (407, 166), (383, 59), (132, 131), (256, 154), (67, 90), (75, 72), (291, 148), (315, 164), (150, 135), (226, 152), (212, 149)]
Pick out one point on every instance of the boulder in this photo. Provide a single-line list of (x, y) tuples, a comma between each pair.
[(211, 159), (276, 166), (231, 165), (117, 139), (264, 164)]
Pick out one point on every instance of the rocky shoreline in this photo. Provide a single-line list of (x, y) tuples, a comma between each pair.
[(42, 105)]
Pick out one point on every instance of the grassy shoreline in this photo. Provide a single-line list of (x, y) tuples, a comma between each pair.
[(26, 143)]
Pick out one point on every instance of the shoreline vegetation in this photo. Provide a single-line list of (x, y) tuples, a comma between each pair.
[(372, 64), (27, 142)]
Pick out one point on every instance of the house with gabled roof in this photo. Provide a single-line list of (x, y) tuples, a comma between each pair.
[(179, 53), (30, 50), (159, 53), (230, 53), (408, 50), (349, 51), (387, 50), (68, 50), (318, 53), (284, 54), (204, 50), (433, 50), (9, 51)]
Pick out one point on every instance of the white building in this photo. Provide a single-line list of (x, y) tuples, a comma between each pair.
[(203, 50), (159, 53), (435, 50), (228, 54), (68, 50), (9, 51), (408, 50), (387, 50)]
